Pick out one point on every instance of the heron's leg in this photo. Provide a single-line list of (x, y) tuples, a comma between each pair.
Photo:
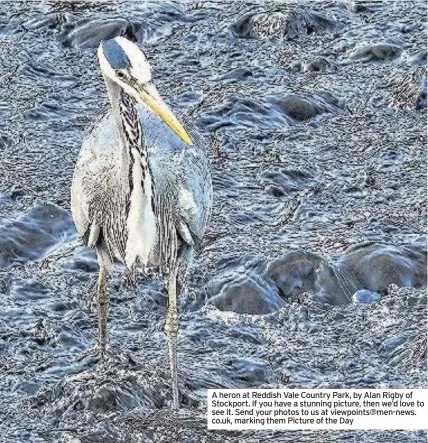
[(102, 308), (171, 330)]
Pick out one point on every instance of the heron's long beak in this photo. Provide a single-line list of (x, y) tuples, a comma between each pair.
[(149, 96)]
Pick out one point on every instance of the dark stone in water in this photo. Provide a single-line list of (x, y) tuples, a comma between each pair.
[(239, 111), (275, 25), (89, 33), (245, 293), (300, 108), (278, 111), (28, 387), (34, 234), (294, 273), (371, 266), (115, 392), (376, 51), (84, 260), (319, 64), (249, 371), (13, 194), (112, 398), (49, 21), (237, 74)]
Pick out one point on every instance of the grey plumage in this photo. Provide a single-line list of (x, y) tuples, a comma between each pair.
[(100, 193), (141, 191)]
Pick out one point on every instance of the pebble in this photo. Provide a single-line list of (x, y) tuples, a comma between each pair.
[(365, 296)]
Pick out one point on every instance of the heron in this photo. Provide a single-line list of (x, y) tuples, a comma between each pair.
[(142, 190)]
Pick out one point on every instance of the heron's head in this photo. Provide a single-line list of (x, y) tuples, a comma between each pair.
[(123, 62)]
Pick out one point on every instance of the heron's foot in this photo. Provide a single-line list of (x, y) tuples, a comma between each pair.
[(102, 352)]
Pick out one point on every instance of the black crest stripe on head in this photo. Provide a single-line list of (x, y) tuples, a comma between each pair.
[(115, 55)]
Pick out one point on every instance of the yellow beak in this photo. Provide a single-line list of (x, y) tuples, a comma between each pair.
[(151, 98)]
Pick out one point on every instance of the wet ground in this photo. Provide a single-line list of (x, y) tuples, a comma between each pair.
[(313, 271)]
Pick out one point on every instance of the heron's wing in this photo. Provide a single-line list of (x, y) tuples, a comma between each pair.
[(180, 172), (96, 177)]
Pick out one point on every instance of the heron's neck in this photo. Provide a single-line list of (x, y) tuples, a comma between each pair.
[(126, 117)]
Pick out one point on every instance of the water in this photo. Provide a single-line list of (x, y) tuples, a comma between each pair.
[(315, 117)]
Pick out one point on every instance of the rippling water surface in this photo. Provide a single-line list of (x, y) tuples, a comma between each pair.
[(315, 117)]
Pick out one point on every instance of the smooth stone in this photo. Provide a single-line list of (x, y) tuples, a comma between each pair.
[(89, 33), (49, 21), (365, 296), (298, 107), (291, 24), (294, 273), (237, 74), (376, 51), (28, 387), (249, 371), (409, 90), (319, 64), (371, 266), (276, 112), (32, 235), (247, 293), (83, 260)]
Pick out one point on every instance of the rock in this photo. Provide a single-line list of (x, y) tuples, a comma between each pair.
[(294, 273), (319, 64), (238, 74), (371, 266), (13, 194), (376, 52), (249, 371), (409, 90), (31, 236), (29, 387), (364, 296), (303, 107), (49, 21), (392, 343), (116, 391), (240, 111), (275, 112), (84, 260), (246, 293), (89, 33), (292, 24)]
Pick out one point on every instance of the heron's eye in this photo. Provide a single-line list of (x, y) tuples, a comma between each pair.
[(120, 74)]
